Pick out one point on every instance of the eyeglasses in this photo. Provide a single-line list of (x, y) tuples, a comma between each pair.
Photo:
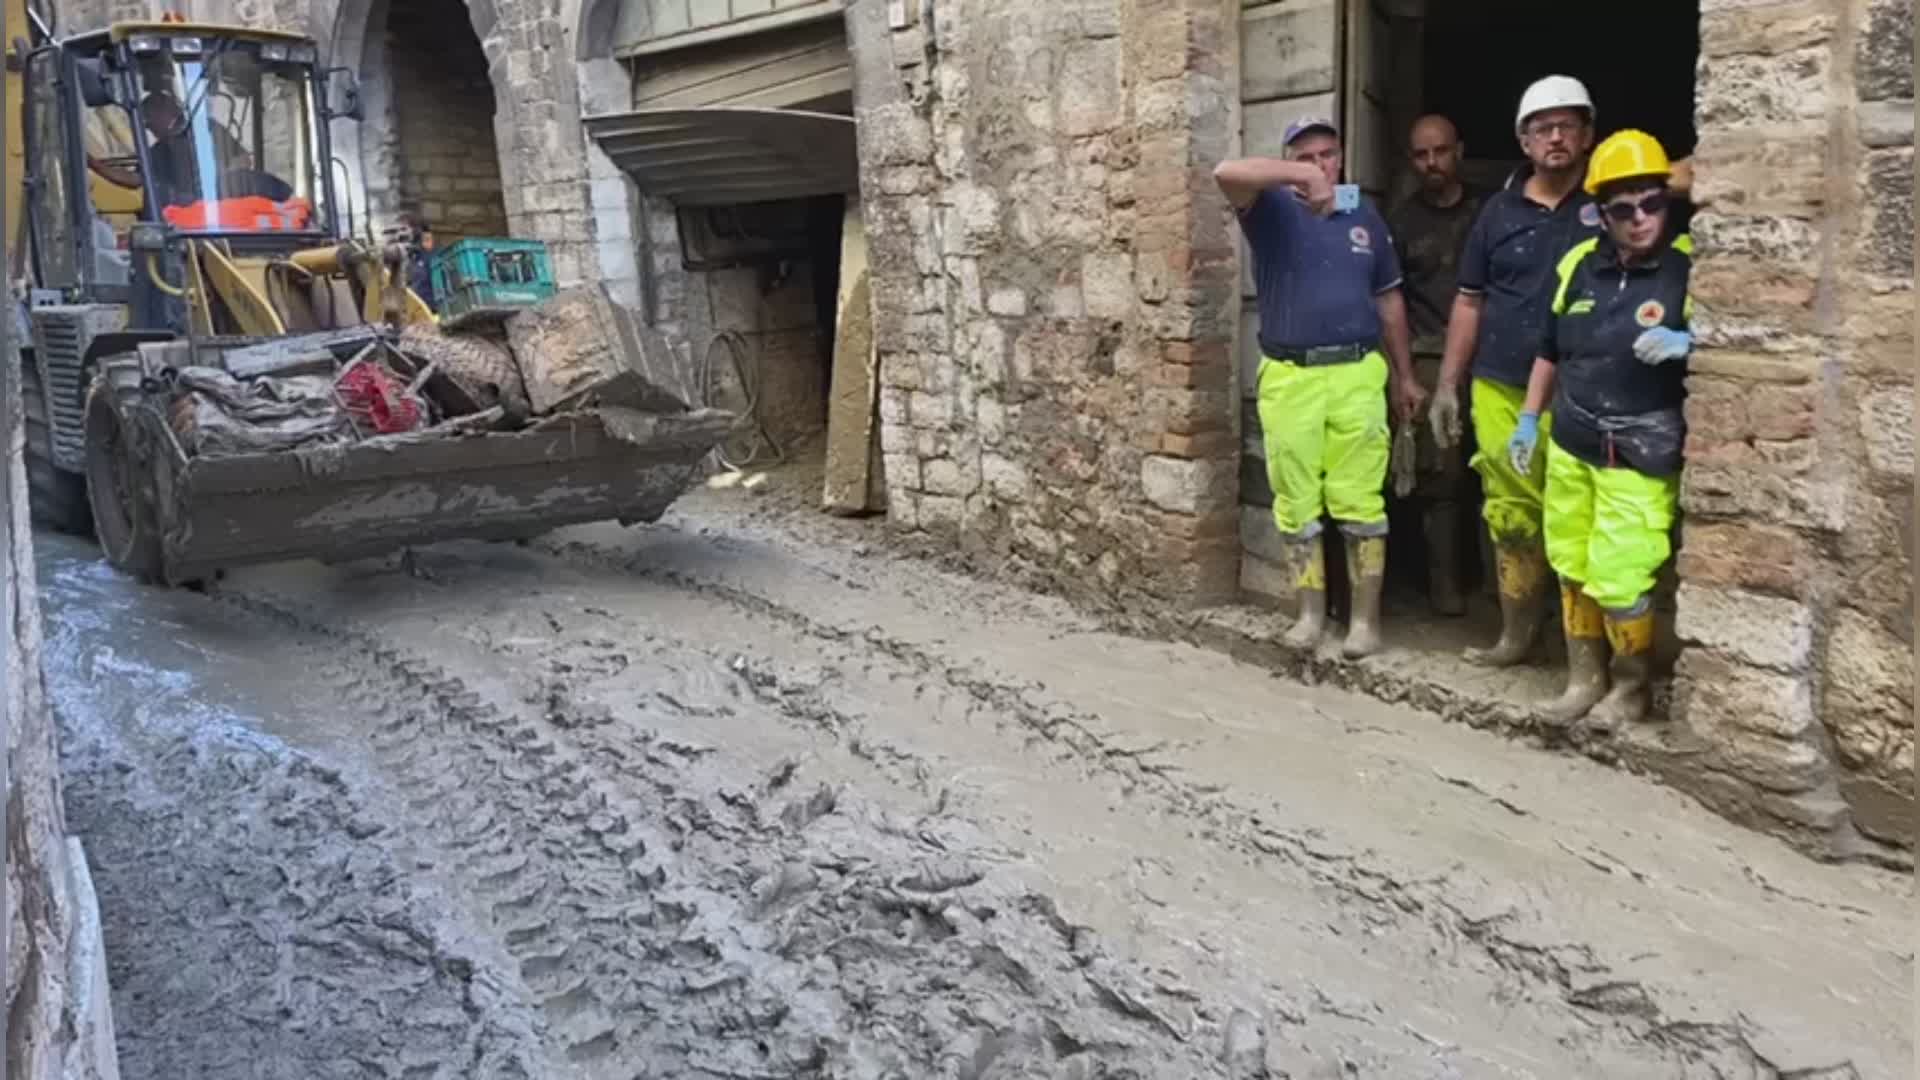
[(1547, 129), (1624, 210)]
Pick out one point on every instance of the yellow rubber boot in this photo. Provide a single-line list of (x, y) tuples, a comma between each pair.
[(1631, 636), (1309, 570), (1586, 630), (1366, 570), (1522, 572)]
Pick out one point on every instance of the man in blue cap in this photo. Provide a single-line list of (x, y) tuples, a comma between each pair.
[(1333, 330)]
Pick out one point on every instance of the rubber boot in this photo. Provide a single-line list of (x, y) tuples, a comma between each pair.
[(1443, 559), (1522, 572), (1586, 657), (1631, 636), (1309, 570), (1367, 571)]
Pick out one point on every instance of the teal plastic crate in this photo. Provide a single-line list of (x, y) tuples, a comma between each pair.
[(485, 273)]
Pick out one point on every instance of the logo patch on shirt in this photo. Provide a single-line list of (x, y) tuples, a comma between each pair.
[(1580, 307), (1590, 216), (1362, 240), (1650, 313)]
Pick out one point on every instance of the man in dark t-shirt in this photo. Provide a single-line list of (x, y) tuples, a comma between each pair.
[(1333, 339), (1430, 228)]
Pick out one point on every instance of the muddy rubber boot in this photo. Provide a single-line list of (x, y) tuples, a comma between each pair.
[(1586, 658), (1366, 571), (1443, 559), (1631, 636), (1309, 571), (1522, 572)]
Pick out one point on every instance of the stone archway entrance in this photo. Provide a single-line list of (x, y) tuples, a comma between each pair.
[(428, 140)]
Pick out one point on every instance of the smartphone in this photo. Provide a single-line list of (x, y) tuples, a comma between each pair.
[(1346, 197)]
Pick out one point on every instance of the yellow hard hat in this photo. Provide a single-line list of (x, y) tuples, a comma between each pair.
[(1626, 155)]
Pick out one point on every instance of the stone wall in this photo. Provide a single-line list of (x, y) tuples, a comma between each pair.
[(443, 121), (1794, 696), (1053, 282)]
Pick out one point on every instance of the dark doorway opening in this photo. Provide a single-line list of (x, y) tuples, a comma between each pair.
[(1470, 60)]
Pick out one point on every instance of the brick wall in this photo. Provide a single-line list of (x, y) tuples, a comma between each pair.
[(1054, 282), (443, 117), (1794, 703)]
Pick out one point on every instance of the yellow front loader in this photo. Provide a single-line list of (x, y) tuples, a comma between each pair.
[(171, 182)]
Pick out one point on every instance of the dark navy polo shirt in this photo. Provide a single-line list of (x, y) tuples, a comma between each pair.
[(1317, 277), (1510, 259)]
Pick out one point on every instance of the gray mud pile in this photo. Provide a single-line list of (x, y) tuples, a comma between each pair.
[(525, 889)]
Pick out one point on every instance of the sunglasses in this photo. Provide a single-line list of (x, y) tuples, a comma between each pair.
[(1623, 211)]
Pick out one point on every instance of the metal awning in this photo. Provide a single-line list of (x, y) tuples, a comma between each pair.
[(724, 156)]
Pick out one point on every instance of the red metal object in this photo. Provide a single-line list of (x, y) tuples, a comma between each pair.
[(378, 398)]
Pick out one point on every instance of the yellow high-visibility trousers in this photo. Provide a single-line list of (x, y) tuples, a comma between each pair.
[(1514, 500), (1608, 529), (1325, 432)]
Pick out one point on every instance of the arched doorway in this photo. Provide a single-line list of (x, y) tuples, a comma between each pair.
[(428, 140)]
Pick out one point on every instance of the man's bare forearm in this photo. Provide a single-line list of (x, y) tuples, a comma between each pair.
[(1463, 333), (1539, 386), (1243, 179), (1396, 336)]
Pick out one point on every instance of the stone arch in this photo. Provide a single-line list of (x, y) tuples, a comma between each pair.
[(371, 153)]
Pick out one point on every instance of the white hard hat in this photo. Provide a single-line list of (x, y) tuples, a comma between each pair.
[(1553, 92)]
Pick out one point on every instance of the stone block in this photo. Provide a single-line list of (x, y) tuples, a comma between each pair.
[(1187, 486), (894, 134), (1745, 555), (1212, 444), (1886, 423), (1751, 90), (1159, 44), (1728, 709), (1769, 238), (1868, 702), (1764, 631), (1264, 581), (1008, 302), (1088, 95), (1815, 501), (1887, 241), (1882, 807), (1768, 30), (942, 513), (1191, 412), (1887, 123), (946, 476), (1106, 283), (1004, 477), (1883, 57), (902, 472)]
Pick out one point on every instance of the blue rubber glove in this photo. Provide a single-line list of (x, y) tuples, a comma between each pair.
[(1526, 438), (1659, 345)]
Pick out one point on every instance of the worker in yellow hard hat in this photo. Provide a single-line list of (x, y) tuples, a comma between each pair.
[(1614, 360)]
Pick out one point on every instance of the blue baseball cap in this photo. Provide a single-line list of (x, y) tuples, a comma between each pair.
[(1309, 123)]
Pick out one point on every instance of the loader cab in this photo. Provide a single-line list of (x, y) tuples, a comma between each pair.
[(144, 135)]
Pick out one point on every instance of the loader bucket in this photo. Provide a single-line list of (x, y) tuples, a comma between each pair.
[(377, 496)]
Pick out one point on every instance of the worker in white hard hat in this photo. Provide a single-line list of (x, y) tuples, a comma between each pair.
[(1494, 332)]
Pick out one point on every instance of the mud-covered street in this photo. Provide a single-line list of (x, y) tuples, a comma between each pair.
[(734, 797)]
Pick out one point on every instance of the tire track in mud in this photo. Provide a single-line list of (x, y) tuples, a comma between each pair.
[(259, 924), (670, 919), (1568, 975)]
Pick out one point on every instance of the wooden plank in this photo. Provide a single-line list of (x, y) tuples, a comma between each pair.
[(636, 35), (853, 411), (1287, 50), (775, 70)]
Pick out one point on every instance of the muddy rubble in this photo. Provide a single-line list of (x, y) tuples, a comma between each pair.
[(526, 889), (711, 800)]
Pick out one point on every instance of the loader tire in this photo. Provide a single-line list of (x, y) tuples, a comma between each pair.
[(482, 367), (119, 482), (55, 497)]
